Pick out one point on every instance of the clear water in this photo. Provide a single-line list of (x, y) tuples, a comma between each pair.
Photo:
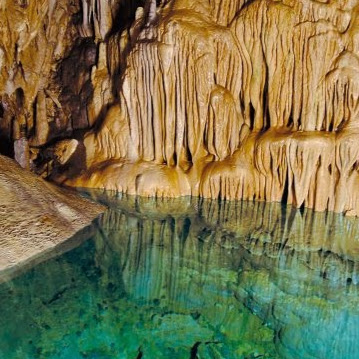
[(191, 279)]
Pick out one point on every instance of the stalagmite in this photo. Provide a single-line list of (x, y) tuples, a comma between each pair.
[(22, 152)]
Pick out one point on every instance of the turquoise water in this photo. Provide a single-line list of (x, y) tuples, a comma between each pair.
[(191, 279)]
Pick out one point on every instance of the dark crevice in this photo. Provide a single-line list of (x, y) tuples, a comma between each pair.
[(290, 121), (285, 190), (56, 296), (2, 110), (302, 208), (20, 98), (252, 114), (74, 75), (125, 15), (140, 353), (194, 350)]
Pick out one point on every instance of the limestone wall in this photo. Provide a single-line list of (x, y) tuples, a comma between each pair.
[(253, 100)]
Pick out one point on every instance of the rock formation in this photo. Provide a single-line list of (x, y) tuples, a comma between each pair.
[(232, 99), (36, 217)]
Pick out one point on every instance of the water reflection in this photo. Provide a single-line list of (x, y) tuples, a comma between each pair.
[(192, 279)]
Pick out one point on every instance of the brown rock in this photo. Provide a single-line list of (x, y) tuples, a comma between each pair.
[(36, 217), (228, 99)]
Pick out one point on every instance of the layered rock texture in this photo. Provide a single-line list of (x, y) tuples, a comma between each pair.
[(36, 217), (233, 99)]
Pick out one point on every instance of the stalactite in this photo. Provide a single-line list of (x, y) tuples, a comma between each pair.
[(151, 15), (284, 71), (41, 125), (230, 99)]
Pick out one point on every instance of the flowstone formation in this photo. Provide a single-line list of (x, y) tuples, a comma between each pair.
[(47, 51), (225, 99)]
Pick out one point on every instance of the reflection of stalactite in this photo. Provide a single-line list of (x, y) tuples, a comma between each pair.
[(155, 264), (274, 232), (210, 241)]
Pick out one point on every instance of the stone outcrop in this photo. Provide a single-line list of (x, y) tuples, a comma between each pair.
[(36, 217), (231, 99)]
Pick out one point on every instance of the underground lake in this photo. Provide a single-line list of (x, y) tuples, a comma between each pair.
[(191, 278)]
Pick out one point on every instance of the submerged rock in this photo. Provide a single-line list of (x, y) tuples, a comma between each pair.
[(197, 281)]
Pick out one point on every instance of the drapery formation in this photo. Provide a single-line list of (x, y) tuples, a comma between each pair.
[(242, 101), (222, 99)]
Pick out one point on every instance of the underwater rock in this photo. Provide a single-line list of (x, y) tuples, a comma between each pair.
[(220, 279)]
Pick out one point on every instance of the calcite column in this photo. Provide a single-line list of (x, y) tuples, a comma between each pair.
[(96, 18), (42, 128), (86, 28)]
